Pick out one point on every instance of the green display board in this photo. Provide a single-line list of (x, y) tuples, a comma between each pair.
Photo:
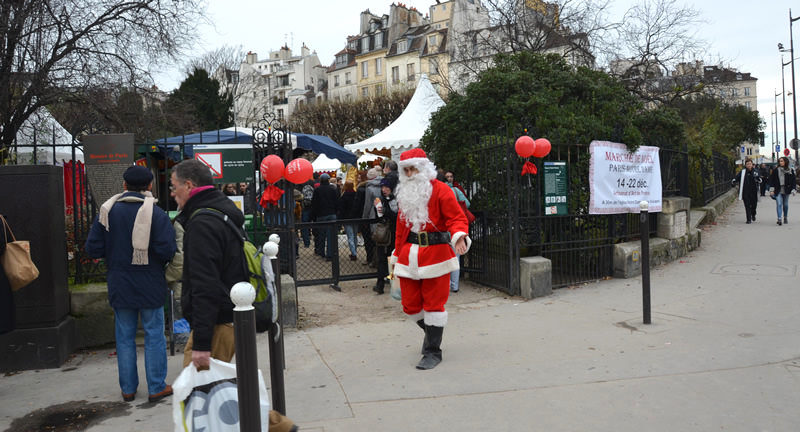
[(555, 188), (229, 163)]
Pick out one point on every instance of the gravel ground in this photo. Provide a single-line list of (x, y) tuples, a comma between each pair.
[(321, 306)]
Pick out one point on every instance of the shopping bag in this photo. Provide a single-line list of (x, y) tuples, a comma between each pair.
[(207, 401), (16, 260)]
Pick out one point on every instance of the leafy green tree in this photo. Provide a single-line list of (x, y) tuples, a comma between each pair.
[(542, 93), (200, 95)]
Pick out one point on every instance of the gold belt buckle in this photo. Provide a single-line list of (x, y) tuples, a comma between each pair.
[(422, 239)]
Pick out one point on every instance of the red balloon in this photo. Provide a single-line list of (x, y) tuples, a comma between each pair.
[(299, 171), (542, 148), (272, 168), (525, 146)]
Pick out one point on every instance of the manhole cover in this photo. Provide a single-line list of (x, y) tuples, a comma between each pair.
[(755, 270)]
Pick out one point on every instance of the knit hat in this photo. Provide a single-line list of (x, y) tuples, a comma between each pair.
[(389, 181), (137, 176), (373, 172)]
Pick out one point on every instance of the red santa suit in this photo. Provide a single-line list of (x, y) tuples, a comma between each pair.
[(424, 270)]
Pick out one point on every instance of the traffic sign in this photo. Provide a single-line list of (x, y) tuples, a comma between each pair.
[(786, 152), (777, 148)]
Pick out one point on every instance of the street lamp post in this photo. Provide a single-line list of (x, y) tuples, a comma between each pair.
[(794, 97), (783, 91)]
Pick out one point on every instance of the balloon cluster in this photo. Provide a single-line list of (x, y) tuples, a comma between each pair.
[(297, 171), (525, 146)]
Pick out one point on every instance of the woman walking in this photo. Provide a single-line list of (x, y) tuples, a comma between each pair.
[(782, 183)]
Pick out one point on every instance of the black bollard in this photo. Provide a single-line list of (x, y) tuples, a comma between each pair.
[(244, 328), (644, 223), (275, 342)]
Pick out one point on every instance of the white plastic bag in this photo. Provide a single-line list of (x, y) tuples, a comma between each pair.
[(208, 400)]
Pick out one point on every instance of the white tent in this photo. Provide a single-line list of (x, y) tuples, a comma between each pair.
[(405, 132), (325, 164), (368, 157)]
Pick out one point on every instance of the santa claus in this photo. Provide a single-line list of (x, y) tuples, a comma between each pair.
[(431, 229)]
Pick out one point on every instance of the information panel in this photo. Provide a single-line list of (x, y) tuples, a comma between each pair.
[(229, 163), (555, 188), (620, 180)]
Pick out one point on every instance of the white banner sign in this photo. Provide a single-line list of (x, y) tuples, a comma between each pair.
[(619, 180)]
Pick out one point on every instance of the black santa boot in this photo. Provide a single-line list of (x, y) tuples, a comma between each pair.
[(432, 352), (421, 324)]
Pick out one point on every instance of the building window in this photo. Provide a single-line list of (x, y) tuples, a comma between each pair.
[(365, 44), (336, 81), (747, 105), (365, 92), (433, 67), (364, 69), (280, 114), (395, 74), (347, 78), (378, 40), (410, 72), (378, 89), (402, 46), (378, 66), (747, 91), (432, 40)]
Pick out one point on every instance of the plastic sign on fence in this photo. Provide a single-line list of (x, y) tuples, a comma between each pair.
[(555, 188), (620, 180)]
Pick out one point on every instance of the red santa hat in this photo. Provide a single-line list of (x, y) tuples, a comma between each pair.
[(417, 158), (414, 157)]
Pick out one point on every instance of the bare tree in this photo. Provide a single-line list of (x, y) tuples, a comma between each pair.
[(61, 50), (565, 27), (348, 122), (654, 38)]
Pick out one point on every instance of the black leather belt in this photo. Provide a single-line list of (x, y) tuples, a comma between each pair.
[(429, 238)]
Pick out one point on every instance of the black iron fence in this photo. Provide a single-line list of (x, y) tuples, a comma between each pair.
[(715, 176), (511, 222)]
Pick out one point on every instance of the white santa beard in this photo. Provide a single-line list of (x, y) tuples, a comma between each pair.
[(412, 196)]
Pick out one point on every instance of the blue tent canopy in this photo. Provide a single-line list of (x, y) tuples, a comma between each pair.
[(221, 136), (320, 144), (316, 143)]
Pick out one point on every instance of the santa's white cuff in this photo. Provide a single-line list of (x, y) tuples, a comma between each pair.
[(457, 236)]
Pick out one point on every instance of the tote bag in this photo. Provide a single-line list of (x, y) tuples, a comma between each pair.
[(16, 260)]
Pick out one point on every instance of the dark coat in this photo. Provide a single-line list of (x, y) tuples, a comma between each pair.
[(752, 179), (133, 286), (325, 201), (213, 261), (788, 182), (347, 206)]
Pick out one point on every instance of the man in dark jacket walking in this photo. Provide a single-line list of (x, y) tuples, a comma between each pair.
[(137, 240), (324, 205), (213, 262)]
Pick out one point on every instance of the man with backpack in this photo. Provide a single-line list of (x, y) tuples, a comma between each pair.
[(213, 261)]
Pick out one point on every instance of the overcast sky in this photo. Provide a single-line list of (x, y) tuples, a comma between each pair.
[(742, 33)]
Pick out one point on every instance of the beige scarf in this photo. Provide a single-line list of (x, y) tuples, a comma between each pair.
[(141, 226)]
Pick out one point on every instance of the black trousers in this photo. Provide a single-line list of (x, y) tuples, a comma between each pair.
[(750, 204)]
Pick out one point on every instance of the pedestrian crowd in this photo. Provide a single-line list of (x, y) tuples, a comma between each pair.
[(408, 217), (779, 181)]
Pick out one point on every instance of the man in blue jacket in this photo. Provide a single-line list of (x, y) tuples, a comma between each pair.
[(137, 240)]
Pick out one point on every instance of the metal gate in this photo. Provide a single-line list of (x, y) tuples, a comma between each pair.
[(511, 224)]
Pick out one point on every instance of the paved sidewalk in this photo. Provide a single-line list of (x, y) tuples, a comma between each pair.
[(722, 354)]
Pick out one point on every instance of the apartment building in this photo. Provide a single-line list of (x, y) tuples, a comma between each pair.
[(278, 84)]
